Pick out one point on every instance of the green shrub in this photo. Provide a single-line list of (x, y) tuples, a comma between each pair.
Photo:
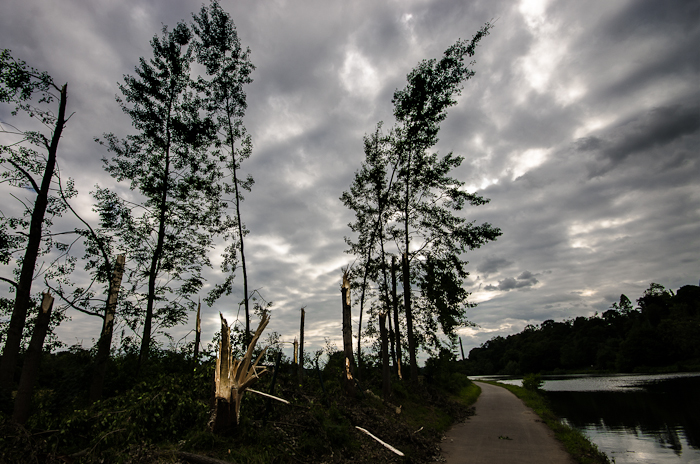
[(532, 382)]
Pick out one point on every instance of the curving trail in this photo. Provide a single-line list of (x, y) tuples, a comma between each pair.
[(503, 430)]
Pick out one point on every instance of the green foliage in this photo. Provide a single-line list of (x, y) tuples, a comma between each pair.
[(24, 160), (161, 409), (228, 67), (443, 372), (29, 164), (663, 333), (169, 234), (532, 382), (403, 194)]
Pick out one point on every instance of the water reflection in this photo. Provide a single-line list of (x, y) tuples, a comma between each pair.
[(632, 418)]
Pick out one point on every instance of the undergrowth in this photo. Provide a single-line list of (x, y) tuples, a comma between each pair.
[(164, 410)]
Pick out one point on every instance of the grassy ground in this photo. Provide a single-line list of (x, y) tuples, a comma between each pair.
[(469, 394), (575, 443)]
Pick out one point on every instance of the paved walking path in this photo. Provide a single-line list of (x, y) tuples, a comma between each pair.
[(503, 430)]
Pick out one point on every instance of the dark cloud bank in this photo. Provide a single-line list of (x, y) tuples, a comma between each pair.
[(582, 125)]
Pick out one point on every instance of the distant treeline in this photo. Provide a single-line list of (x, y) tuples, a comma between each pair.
[(663, 331)]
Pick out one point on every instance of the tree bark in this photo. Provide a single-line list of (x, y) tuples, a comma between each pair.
[(386, 385), (32, 360), (105, 342), (24, 286)]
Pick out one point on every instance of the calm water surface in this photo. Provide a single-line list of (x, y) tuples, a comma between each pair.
[(632, 418)]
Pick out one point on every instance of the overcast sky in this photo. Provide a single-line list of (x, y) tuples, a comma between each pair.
[(582, 125)]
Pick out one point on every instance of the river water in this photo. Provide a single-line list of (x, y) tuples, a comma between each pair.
[(652, 419)]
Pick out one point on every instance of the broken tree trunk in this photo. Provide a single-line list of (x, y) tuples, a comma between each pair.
[(296, 351), (347, 336), (347, 321), (386, 385), (301, 347), (105, 342), (13, 339), (233, 377), (32, 360)]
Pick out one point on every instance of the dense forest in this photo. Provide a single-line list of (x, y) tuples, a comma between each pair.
[(661, 333)]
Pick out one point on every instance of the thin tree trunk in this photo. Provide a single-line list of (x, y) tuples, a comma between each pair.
[(461, 347), (397, 327), (347, 322), (198, 335), (271, 390), (359, 324), (24, 286), (155, 261), (301, 347), (407, 274), (409, 319), (240, 237), (32, 360), (392, 352), (105, 342), (386, 385), (387, 300)]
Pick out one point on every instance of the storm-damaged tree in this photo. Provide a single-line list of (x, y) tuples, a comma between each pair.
[(228, 69), (105, 269), (430, 200), (415, 202), (33, 170), (369, 198), (169, 228)]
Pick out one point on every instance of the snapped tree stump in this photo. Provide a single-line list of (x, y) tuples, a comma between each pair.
[(232, 377)]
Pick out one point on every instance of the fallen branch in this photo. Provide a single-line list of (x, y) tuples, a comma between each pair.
[(386, 445), (268, 396)]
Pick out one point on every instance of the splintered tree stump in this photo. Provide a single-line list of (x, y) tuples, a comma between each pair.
[(233, 377), (348, 381)]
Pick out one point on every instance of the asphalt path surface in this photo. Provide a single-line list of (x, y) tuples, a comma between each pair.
[(503, 430)]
